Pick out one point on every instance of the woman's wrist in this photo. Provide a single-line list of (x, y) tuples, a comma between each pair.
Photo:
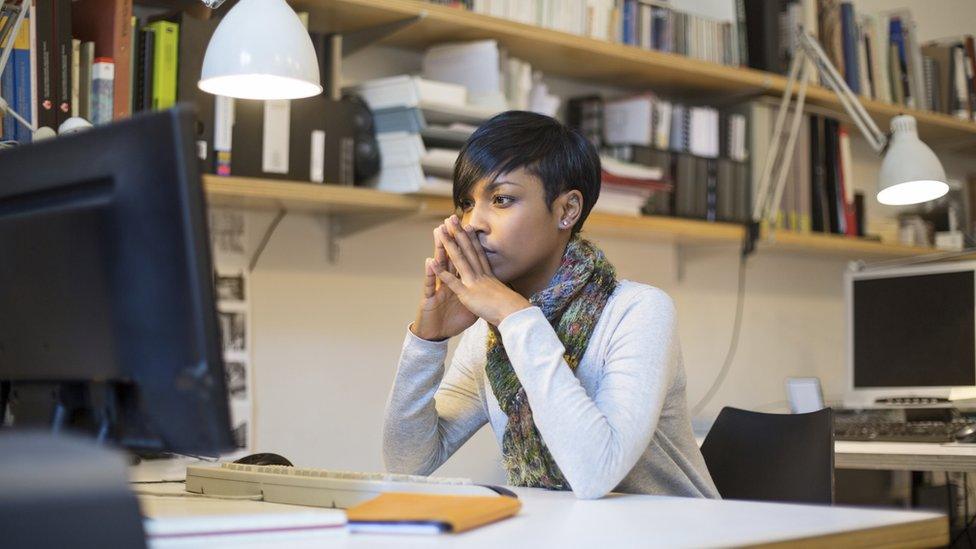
[(426, 337)]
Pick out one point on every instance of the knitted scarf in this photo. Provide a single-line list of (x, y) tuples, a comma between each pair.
[(572, 303)]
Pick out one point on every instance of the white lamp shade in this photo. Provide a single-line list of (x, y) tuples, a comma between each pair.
[(261, 50), (910, 171)]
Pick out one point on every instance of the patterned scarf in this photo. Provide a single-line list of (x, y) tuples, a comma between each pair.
[(572, 304)]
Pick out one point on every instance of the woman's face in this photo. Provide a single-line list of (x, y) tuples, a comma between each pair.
[(518, 231)]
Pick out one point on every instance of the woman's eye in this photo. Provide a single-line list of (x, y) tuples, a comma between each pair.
[(504, 199), (465, 204)]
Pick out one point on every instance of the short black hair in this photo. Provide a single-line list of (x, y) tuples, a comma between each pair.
[(561, 157)]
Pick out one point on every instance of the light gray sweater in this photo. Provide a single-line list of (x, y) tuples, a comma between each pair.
[(620, 424)]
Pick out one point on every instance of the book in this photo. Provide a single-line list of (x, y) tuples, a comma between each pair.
[(103, 87), (7, 90), (20, 61), (86, 58), (62, 54), (46, 63), (400, 148), (410, 91), (428, 513), (165, 60), (763, 35), (629, 120), (108, 23), (333, 157), (831, 34), (439, 162), (75, 75), (144, 80), (133, 64), (847, 182), (942, 56), (852, 71)]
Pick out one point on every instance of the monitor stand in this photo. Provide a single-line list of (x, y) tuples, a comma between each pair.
[(909, 397)]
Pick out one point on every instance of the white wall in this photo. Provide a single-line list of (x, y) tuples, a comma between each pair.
[(326, 337)]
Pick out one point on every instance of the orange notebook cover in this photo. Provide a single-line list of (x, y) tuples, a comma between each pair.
[(427, 513)]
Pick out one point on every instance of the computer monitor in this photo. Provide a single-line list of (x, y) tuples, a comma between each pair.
[(911, 335), (107, 315)]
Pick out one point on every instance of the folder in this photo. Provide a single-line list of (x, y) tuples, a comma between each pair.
[(404, 513)]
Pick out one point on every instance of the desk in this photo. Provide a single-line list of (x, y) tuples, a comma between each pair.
[(558, 519), (905, 456)]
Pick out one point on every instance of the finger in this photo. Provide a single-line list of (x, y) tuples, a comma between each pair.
[(479, 251), (440, 255), (457, 256), (451, 281), (463, 241), (437, 269), (430, 279)]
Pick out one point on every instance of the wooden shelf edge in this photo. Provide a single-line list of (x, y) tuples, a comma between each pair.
[(694, 231), (257, 193), (264, 194), (837, 245)]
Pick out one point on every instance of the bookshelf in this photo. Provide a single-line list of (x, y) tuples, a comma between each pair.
[(352, 202), (568, 55)]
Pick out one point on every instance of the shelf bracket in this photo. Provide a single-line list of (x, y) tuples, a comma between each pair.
[(340, 226)]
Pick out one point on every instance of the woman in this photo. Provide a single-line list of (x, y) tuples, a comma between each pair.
[(579, 374)]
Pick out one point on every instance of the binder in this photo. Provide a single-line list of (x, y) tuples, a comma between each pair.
[(310, 116), (165, 59), (427, 513)]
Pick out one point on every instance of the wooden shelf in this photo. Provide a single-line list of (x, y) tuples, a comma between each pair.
[(271, 194), (572, 56)]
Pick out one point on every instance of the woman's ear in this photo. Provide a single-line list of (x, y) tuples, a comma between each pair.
[(570, 209)]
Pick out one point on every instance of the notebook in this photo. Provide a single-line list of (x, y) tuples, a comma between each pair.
[(403, 513)]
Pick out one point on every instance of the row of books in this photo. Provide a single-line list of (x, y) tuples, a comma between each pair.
[(701, 152), (70, 58), (95, 60), (646, 24), (879, 55), (648, 120), (819, 193), (421, 125), (710, 189)]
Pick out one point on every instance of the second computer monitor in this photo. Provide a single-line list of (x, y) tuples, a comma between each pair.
[(911, 334)]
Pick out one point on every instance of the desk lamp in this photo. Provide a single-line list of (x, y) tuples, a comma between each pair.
[(910, 171), (260, 50)]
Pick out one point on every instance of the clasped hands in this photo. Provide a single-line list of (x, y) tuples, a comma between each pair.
[(475, 284)]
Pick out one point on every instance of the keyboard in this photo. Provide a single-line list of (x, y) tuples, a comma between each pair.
[(898, 425), (319, 487)]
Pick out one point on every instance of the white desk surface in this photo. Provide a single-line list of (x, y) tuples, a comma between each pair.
[(559, 519), (901, 456), (905, 456)]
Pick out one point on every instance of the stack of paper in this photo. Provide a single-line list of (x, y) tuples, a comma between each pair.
[(625, 188)]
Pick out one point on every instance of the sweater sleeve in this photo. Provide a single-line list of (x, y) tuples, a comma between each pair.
[(427, 418), (597, 440)]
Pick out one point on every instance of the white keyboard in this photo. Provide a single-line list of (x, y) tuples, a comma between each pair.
[(318, 487)]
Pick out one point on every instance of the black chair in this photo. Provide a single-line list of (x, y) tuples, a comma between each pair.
[(772, 457)]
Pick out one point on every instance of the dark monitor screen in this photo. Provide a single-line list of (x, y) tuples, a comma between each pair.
[(107, 315), (914, 331)]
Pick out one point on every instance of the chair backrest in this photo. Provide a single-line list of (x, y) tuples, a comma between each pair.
[(772, 457)]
